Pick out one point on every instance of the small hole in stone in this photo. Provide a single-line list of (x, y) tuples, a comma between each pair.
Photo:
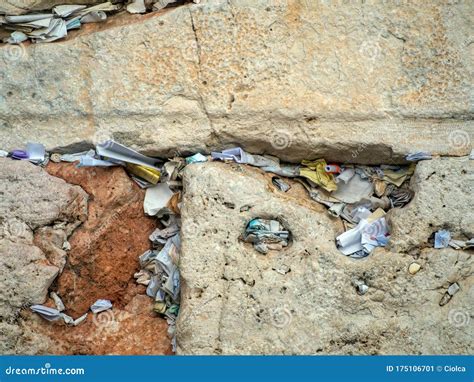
[(267, 234)]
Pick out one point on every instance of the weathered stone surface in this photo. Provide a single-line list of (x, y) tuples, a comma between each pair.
[(365, 82), (26, 276), (18, 7), (101, 262), (30, 200), (20, 339), (30, 196), (105, 249), (443, 200), (52, 241), (234, 300), (132, 330)]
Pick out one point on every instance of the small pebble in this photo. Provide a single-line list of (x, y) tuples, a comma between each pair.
[(360, 286), (245, 208), (414, 268)]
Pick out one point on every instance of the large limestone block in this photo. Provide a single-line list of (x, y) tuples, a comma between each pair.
[(31, 199), (237, 301), (360, 82)]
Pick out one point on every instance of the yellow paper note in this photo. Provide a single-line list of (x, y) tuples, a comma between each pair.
[(397, 177), (151, 175), (315, 171)]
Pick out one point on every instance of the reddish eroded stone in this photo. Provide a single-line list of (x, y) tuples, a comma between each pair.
[(133, 330), (105, 248)]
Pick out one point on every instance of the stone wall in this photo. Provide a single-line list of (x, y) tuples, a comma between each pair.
[(303, 299), (359, 82)]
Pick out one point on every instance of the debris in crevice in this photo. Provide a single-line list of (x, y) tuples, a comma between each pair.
[(348, 192), (266, 235), (443, 239), (281, 184), (358, 195), (54, 24)]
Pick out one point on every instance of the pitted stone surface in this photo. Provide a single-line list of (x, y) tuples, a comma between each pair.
[(31, 200), (237, 301), (443, 200)]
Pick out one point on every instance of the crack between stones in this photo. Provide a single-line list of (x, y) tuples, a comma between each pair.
[(200, 99)]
